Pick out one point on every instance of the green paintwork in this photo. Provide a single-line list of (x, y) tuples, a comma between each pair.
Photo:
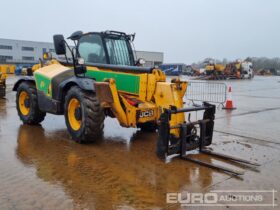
[(42, 83), (125, 82)]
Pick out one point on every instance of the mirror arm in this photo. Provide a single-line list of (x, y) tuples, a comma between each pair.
[(72, 54), (41, 62), (75, 58), (66, 59)]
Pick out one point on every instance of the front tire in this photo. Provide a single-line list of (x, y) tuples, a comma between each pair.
[(27, 104), (84, 116)]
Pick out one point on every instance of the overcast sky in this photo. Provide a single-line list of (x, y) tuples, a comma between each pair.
[(185, 30)]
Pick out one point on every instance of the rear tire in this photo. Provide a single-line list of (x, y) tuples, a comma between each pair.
[(84, 116), (27, 104)]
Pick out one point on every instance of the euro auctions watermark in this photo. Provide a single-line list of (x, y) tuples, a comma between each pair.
[(241, 198)]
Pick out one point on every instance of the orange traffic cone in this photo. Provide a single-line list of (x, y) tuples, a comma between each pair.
[(229, 103)]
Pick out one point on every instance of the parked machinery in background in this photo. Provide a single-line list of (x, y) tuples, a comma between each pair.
[(190, 71), (239, 70), (2, 85), (7, 68), (234, 70), (247, 70), (172, 69), (214, 70)]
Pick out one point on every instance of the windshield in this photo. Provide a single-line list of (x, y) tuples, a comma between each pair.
[(91, 49), (118, 51)]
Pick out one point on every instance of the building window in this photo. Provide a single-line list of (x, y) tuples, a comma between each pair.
[(157, 63), (52, 50), (6, 47), (27, 48), (6, 57), (27, 58)]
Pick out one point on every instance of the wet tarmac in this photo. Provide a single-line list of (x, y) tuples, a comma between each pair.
[(41, 168)]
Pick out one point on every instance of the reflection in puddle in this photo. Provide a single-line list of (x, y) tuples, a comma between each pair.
[(108, 173)]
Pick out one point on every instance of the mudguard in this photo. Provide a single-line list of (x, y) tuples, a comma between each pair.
[(23, 79), (82, 82), (55, 104)]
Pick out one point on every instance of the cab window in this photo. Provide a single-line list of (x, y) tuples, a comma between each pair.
[(118, 51), (91, 49)]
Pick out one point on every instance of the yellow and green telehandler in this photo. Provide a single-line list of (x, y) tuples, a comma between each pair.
[(102, 78)]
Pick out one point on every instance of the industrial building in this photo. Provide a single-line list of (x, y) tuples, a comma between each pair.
[(21, 52), (151, 58)]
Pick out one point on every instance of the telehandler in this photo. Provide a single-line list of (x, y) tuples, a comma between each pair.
[(215, 71), (103, 79)]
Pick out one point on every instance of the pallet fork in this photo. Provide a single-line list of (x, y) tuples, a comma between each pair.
[(189, 140)]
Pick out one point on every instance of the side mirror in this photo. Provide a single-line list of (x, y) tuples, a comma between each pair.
[(59, 44)]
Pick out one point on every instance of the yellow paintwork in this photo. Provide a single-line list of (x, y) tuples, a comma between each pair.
[(3, 76), (143, 86), (217, 67), (238, 66), (155, 93), (72, 106), (209, 67), (151, 86), (220, 67), (47, 63), (7, 69), (148, 82), (36, 67), (161, 95), (51, 71), (148, 106), (168, 94), (116, 105), (22, 97)]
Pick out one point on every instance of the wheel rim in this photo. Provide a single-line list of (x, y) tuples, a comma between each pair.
[(23, 103), (73, 107)]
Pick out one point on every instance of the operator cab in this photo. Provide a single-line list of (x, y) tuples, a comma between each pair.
[(106, 48)]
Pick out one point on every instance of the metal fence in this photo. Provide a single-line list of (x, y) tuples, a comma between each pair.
[(207, 91)]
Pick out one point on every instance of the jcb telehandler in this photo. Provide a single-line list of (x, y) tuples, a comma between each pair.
[(103, 79)]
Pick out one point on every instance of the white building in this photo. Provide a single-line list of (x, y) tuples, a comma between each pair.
[(151, 58), (20, 52), (28, 52)]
